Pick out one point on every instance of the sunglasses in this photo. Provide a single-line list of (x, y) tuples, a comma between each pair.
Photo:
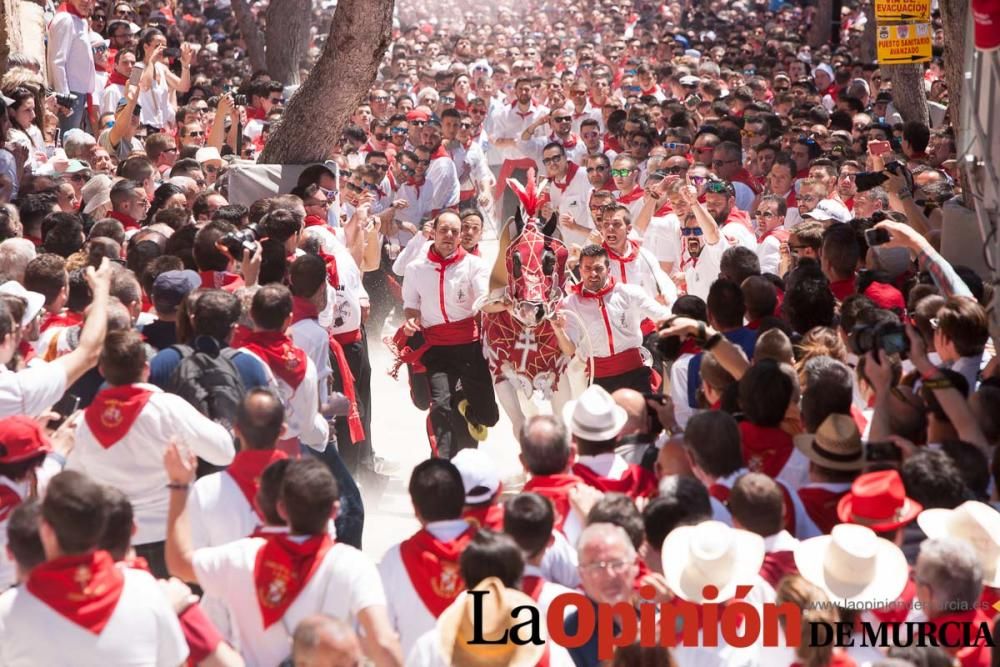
[(79, 178), (424, 162), (674, 146), (330, 194), (378, 165), (399, 130), (418, 123), (676, 170), (380, 137), (552, 160), (620, 173), (722, 163), (591, 170), (698, 180), (563, 119), (465, 126), (380, 99), (766, 214), (210, 169), (691, 231), (406, 169)]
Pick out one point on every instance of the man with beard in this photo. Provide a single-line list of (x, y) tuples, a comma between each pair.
[(734, 223), (701, 254), (561, 122), (509, 123), (568, 190)]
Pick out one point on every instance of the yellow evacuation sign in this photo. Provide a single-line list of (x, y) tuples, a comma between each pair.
[(902, 10), (900, 44)]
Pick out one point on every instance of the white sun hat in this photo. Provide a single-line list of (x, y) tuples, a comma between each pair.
[(711, 554), (973, 522), (595, 415)]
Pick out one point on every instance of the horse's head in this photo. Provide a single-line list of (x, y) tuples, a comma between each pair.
[(536, 265)]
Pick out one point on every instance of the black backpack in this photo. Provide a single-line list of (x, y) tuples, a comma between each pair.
[(209, 382)]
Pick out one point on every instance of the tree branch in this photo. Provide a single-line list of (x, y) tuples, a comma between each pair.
[(252, 36)]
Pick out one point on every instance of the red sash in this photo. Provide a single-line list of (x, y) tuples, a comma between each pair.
[(765, 449), (84, 589), (282, 569), (532, 586), (64, 319), (280, 354), (617, 364), (246, 469), (486, 515), (821, 506), (636, 482), (453, 333), (9, 500), (225, 280), (113, 412), (432, 566), (556, 488), (776, 565)]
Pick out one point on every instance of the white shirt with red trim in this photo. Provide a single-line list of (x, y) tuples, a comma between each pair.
[(573, 200), (700, 273), (417, 247), (445, 297), (345, 584), (644, 271), (303, 419), (343, 310), (509, 122), (134, 464), (615, 327), (419, 199), (407, 612), (142, 630)]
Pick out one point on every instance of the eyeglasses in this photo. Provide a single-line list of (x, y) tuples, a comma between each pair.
[(766, 214), (614, 566), (552, 159), (424, 162), (380, 98), (200, 133), (418, 123), (329, 194), (698, 180), (447, 100), (406, 169), (678, 170), (477, 112), (379, 165), (591, 170), (351, 187), (621, 173), (465, 126), (79, 178), (100, 49), (691, 231), (210, 168)]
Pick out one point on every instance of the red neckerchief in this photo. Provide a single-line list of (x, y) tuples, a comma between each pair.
[(439, 153), (746, 178), (282, 569), (83, 589), (637, 482), (332, 275), (432, 566), (666, 209), (779, 233), (689, 346), (524, 115), (532, 586), (571, 169), (821, 505), (611, 143), (66, 318), (635, 195), (622, 259), (720, 492), (765, 449), (314, 221), (70, 9), (37, 240), (26, 351), (113, 412), (253, 113), (486, 515), (280, 354), (776, 565), (247, 467), (127, 221), (651, 91), (117, 79), (843, 288), (738, 217), (579, 290), (230, 282), (444, 262), (569, 144), (556, 488)]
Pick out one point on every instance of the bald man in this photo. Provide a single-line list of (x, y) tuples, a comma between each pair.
[(321, 641), (637, 440)]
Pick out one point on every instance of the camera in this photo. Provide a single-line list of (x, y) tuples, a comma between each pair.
[(876, 237), (239, 100), (866, 180), (67, 100), (889, 337), (172, 54), (242, 239)]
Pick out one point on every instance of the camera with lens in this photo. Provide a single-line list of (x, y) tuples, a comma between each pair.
[(242, 239), (889, 337), (239, 100), (67, 100), (866, 180)]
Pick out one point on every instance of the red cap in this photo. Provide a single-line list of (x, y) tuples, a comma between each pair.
[(886, 296), (21, 438), (417, 114), (878, 500)]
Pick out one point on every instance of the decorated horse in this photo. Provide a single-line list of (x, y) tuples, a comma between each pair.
[(519, 342)]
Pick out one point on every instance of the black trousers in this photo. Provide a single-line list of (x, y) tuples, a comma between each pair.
[(358, 455), (638, 379), (456, 372)]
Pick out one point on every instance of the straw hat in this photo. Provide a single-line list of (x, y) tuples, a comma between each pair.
[(853, 565), (710, 554), (455, 629), (973, 522), (835, 445), (878, 500), (595, 415)]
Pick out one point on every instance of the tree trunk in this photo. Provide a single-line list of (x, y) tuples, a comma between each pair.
[(287, 38), (252, 36), (10, 30), (319, 110), (867, 46), (954, 14), (822, 24), (908, 94)]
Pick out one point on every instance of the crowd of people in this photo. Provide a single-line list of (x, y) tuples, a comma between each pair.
[(774, 380)]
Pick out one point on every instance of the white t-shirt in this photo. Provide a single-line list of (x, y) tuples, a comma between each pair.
[(345, 584), (626, 307), (701, 273), (31, 391), (143, 630), (663, 238)]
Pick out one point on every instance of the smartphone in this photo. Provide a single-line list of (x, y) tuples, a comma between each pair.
[(876, 237), (883, 452), (692, 101), (133, 78), (66, 406), (172, 54), (878, 147)]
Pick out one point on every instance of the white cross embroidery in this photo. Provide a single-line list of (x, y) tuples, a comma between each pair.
[(526, 343)]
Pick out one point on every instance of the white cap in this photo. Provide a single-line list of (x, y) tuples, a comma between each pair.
[(479, 475), (690, 80), (34, 300), (209, 154)]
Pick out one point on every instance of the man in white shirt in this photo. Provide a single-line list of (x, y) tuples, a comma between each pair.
[(422, 571), (770, 216), (78, 607), (291, 371), (631, 263), (569, 191), (115, 88), (442, 176), (703, 246), (271, 582), (71, 60), (125, 430), (439, 296), (561, 122), (608, 323), (507, 123)]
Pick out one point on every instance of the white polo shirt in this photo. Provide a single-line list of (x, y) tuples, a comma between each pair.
[(407, 612), (461, 284), (142, 630), (345, 584), (134, 464), (625, 305)]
